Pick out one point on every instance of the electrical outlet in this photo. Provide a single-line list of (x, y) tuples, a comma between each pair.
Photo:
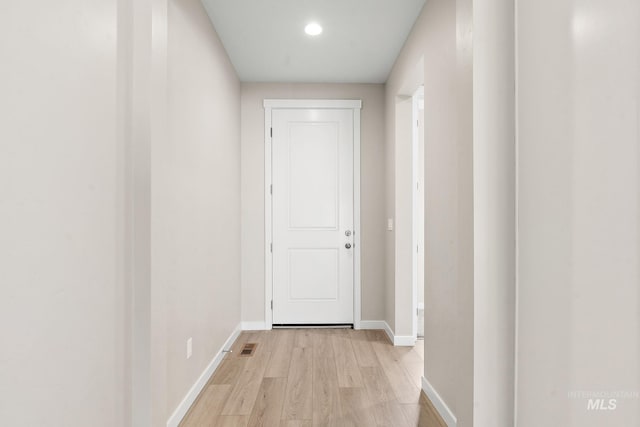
[(390, 224), (189, 347)]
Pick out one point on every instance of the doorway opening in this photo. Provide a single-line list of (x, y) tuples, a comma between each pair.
[(409, 207)]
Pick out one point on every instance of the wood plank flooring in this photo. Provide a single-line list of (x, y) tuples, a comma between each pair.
[(313, 378)]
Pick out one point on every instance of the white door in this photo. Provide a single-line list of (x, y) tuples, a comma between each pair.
[(313, 255)]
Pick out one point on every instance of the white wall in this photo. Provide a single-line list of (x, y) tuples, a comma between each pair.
[(578, 99), (372, 188), (118, 241), (465, 215), (494, 212), (196, 198), (63, 288), (441, 36)]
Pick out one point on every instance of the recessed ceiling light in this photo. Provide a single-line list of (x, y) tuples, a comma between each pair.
[(313, 29)]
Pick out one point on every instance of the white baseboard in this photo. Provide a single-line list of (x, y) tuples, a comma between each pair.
[(254, 326), (377, 324), (195, 390), (372, 324), (438, 403), (404, 341), (401, 341)]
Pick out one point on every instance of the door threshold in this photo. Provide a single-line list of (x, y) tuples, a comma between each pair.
[(313, 326)]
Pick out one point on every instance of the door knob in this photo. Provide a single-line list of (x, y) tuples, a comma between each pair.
[(348, 246), (347, 233)]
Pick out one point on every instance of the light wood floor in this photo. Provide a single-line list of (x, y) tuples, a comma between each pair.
[(316, 377)]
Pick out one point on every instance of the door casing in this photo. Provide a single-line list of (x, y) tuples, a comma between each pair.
[(417, 202), (269, 106)]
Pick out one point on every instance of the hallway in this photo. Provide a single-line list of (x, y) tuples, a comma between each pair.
[(147, 224), (316, 377)]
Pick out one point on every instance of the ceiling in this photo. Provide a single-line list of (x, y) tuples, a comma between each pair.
[(266, 42)]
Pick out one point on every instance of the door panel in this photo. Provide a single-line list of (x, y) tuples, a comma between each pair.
[(313, 175), (312, 212), (313, 274)]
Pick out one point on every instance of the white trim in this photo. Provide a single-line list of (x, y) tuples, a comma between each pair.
[(269, 106), (254, 326), (355, 104), (182, 409), (439, 403), (373, 324), (357, 285), (268, 258), (419, 92), (404, 340), (397, 341), (389, 332)]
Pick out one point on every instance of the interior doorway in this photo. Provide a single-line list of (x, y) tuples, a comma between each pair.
[(312, 212), (409, 207)]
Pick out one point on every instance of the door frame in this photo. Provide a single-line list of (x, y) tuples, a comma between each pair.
[(288, 104), (416, 208)]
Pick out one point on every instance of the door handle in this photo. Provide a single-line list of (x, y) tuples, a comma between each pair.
[(348, 246)]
